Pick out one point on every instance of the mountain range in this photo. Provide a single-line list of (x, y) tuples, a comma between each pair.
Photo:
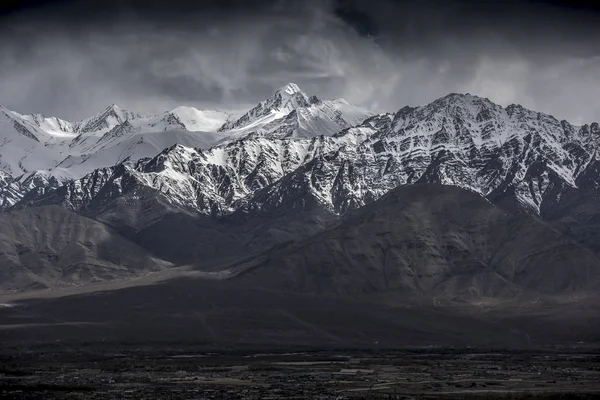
[(460, 201)]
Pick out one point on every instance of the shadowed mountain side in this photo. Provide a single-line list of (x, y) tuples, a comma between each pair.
[(577, 211), (221, 313), (51, 246), (181, 236), (147, 218), (208, 244), (224, 315), (431, 240), (275, 227)]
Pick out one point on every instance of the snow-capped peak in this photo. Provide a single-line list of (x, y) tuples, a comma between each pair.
[(195, 120), (333, 151), (110, 117), (290, 89), (281, 103), (288, 97), (113, 110)]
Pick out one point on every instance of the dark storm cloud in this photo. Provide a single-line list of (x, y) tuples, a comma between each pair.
[(71, 58), (544, 54), (525, 25)]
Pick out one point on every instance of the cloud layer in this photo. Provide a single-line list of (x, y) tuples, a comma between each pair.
[(66, 59)]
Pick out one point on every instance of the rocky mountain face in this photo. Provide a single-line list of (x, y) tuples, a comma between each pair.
[(11, 190), (112, 116), (283, 101), (431, 241), (520, 159), (304, 163), (211, 181), (45, 247), (34, 145), (38, 149), (516, 157), (290, 113)]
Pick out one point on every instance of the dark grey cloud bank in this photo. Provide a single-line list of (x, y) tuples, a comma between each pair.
[(72, 58)]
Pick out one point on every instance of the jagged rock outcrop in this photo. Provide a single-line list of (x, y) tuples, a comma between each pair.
[(520, 159)]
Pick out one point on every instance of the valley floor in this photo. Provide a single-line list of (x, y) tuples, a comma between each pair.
[(101, 372), (180, 307)]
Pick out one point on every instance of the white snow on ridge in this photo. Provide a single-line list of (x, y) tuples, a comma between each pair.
[(329, 150), (278, 135), (291, 88), (51, 147), (51, 125), (66, 150), (196, 120)]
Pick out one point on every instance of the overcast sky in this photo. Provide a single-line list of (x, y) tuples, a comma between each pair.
[(73, 58)]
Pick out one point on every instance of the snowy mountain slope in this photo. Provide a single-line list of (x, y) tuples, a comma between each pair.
[(512, 159), (518, 158), (214, 181), (321, 118), (511, 155), (24, 146), (49, 146), (10, 191), (179, 119), (51, 125), (195, 120), (134, 147), (182, 124), (289, 112), (281, 103), (112, 116), (211, 181), (57, 149)]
